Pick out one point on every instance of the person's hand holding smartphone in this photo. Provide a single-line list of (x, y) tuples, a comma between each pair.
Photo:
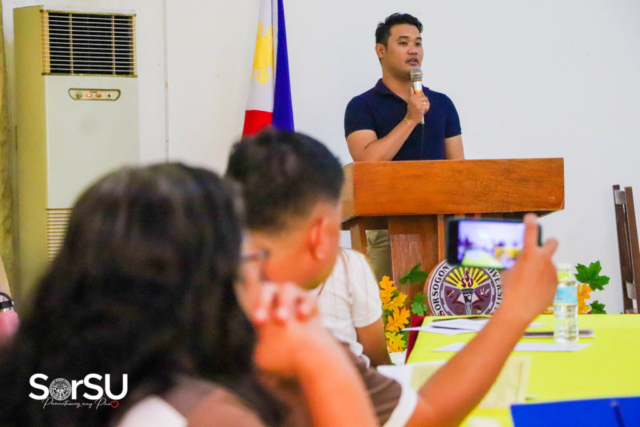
[(485, 243)]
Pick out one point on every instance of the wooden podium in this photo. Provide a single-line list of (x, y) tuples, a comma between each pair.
[(413, 200)]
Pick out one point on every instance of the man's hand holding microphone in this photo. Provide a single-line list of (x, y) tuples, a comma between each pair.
[(418, 103)]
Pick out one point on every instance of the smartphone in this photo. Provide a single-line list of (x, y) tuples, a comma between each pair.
[(485, 243)]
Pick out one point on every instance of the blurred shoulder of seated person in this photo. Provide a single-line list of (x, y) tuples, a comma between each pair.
[(291, 184), (351, 308), (152, 287)]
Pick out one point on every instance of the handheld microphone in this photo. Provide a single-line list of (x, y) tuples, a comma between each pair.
[(416, 79)]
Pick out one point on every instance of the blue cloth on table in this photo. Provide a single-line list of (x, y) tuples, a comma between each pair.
[(614, 412)]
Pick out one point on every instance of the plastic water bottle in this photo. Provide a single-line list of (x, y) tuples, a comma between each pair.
[(565, 306)]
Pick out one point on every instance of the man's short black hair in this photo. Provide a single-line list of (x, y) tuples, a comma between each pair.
[(283, 176), (384, 28)]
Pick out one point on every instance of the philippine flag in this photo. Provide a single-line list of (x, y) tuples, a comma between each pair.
[(270, 89)]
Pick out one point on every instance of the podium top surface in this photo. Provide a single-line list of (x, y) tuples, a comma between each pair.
[(452, 187)]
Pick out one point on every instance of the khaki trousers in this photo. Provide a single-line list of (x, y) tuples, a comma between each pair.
[(379, 253)]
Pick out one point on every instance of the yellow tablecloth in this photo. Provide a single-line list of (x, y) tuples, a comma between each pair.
[(609, 367)]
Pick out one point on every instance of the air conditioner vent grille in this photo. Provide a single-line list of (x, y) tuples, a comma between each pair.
[(57, 221), (81, 43)]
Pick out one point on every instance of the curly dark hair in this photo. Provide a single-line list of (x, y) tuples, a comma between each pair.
[(144, 286), (283, 175), (383, 31)]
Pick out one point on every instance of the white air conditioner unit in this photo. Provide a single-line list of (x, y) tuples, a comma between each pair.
[(77, 118)]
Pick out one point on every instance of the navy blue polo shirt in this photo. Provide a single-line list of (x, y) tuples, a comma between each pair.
[(380, 110)]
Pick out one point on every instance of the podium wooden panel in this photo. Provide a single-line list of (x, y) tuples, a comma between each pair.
[(414, 199)]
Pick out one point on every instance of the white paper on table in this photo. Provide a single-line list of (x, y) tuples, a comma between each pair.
[(465, 324), (510, 386), (404, 373), (457, 346), (536, 325), (475, 325), (441, 331)]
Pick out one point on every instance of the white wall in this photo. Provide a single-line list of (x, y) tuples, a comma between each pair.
[(529, 78), (210, 48)]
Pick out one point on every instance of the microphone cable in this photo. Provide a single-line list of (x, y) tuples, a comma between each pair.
[(423, 125)]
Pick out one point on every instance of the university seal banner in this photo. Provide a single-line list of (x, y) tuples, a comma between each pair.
[(459, 291)]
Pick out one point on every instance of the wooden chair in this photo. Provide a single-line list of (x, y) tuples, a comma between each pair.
[(628, 247)]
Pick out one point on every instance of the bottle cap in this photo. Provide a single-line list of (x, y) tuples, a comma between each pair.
[(564, 271)]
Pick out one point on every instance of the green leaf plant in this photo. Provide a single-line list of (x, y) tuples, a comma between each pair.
[(417, 276), (597, 308), (591, 276)]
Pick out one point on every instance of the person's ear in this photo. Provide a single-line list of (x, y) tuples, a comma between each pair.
[(380, 50), (320, 242)]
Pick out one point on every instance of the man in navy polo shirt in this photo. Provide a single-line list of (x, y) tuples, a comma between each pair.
[(384, 123)]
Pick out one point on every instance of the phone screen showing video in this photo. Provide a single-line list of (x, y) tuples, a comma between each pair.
[(489, 244)]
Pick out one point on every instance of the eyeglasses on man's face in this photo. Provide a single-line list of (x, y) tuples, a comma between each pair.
[(260, 256)]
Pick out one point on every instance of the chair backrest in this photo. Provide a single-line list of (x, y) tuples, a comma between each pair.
[(628, 247)]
